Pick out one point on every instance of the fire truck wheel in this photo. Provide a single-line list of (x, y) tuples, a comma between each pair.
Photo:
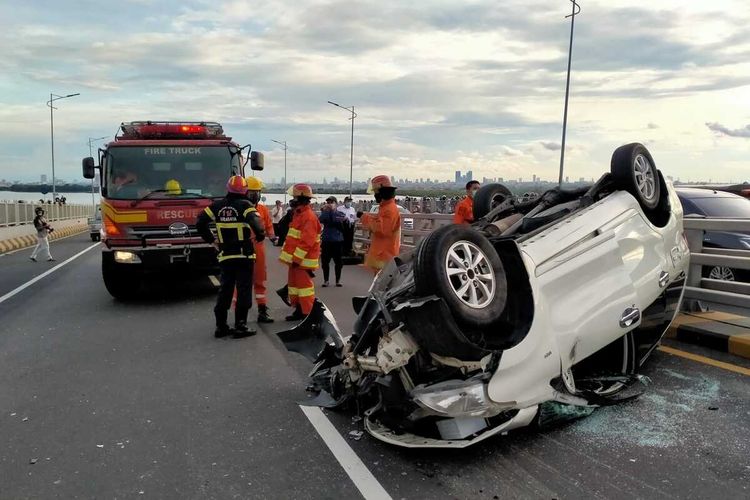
[(120, 279)]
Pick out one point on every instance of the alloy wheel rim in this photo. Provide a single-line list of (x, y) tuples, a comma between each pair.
[(470, 274), (721, 273), (644, 177)]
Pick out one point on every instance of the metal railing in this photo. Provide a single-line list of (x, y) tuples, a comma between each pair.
[(414, 227), (16, 214), (706, 289)]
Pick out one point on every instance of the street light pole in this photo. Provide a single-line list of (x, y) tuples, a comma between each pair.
[(576, 9), (351, 153), (283, 143), (91, 153), (53, 98)]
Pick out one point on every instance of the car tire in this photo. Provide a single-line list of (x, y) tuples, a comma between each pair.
[(458, 264), (633, 170), (488, 197), (123, 283), (722, 273)]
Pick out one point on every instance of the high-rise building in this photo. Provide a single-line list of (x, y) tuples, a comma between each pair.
[(458, 177), (44, 179), (469, 176)]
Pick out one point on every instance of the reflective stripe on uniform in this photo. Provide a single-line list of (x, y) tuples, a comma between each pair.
[(285, 257), (260, 295), (294, 233), (309, 263), (222, 258), (210, 213), (249, 210), (300, 253), (292, 291), (306, 292)]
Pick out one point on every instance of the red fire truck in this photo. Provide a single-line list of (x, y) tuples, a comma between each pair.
[(156, 177)]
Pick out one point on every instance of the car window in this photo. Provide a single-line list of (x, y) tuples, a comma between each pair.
[(724, 207)]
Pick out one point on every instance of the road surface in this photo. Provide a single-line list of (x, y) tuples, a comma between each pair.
[(101, 399)]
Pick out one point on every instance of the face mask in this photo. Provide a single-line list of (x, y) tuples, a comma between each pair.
[(378, 197), (253, 197), (347, 204)]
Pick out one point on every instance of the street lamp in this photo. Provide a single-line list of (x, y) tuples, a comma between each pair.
[(576, 9), (53, 98), (91, 153), (351, 154), (283, 143)]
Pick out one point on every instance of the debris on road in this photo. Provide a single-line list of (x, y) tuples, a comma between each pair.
[(33, 461), (356, 435)]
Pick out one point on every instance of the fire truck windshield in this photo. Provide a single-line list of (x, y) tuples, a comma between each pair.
[(168, 171)]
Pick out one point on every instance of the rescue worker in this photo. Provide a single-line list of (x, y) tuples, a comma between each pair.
[(464, 212), (385, 226), (254, 187), (235, 219), (43, 229), (301, 251)]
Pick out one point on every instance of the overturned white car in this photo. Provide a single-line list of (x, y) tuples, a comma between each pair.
[(541, 308)]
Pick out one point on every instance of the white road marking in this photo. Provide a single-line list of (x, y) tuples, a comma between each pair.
[(46, 273), (213, 280), (349, 461)]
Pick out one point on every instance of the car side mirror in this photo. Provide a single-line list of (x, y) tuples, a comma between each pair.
[(88, 168), (257, 160)]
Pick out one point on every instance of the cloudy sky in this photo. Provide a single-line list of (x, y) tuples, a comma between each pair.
[(438, 85)]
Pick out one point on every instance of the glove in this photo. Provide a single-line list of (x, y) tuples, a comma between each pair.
[(310, 273)]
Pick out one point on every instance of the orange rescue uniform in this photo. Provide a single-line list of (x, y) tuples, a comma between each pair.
[(464, 213), (260, 274), (385, 240), (301, 252)]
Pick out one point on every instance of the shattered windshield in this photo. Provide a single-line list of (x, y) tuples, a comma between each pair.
[(168, 171)]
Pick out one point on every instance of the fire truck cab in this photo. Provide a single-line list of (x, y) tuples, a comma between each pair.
[(156, 177)]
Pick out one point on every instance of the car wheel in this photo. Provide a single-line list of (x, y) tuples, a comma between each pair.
[(721, 273), (460, 265), (634, 171), (488, 197), (122, 283)]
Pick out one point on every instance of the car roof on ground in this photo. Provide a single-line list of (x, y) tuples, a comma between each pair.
[(694, 193)]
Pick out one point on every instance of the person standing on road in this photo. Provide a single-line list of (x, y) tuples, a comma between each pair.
[(384, 226), (300, 252), (277, 213), (464, 213), (332, 239), (350, 222), (235, 219), (43, 229), (254, 187)]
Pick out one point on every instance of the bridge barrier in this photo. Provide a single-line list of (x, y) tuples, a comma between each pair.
[(703, 289), (16, 214)]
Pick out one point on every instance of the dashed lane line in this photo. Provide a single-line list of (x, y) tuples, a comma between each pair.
[(357, 471), (706, 361), (44, 274)]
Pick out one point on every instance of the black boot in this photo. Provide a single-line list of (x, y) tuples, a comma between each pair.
[(241, 331), (296, 315), (222, 331), (263, 316)]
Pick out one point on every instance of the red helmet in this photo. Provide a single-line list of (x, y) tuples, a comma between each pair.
[(301, 190), (379, 181), (237, 185)]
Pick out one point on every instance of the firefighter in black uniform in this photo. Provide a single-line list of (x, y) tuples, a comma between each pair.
[(235, 217)]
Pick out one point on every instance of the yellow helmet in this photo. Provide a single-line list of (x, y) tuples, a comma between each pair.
[(172, 186), (254, 184)]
